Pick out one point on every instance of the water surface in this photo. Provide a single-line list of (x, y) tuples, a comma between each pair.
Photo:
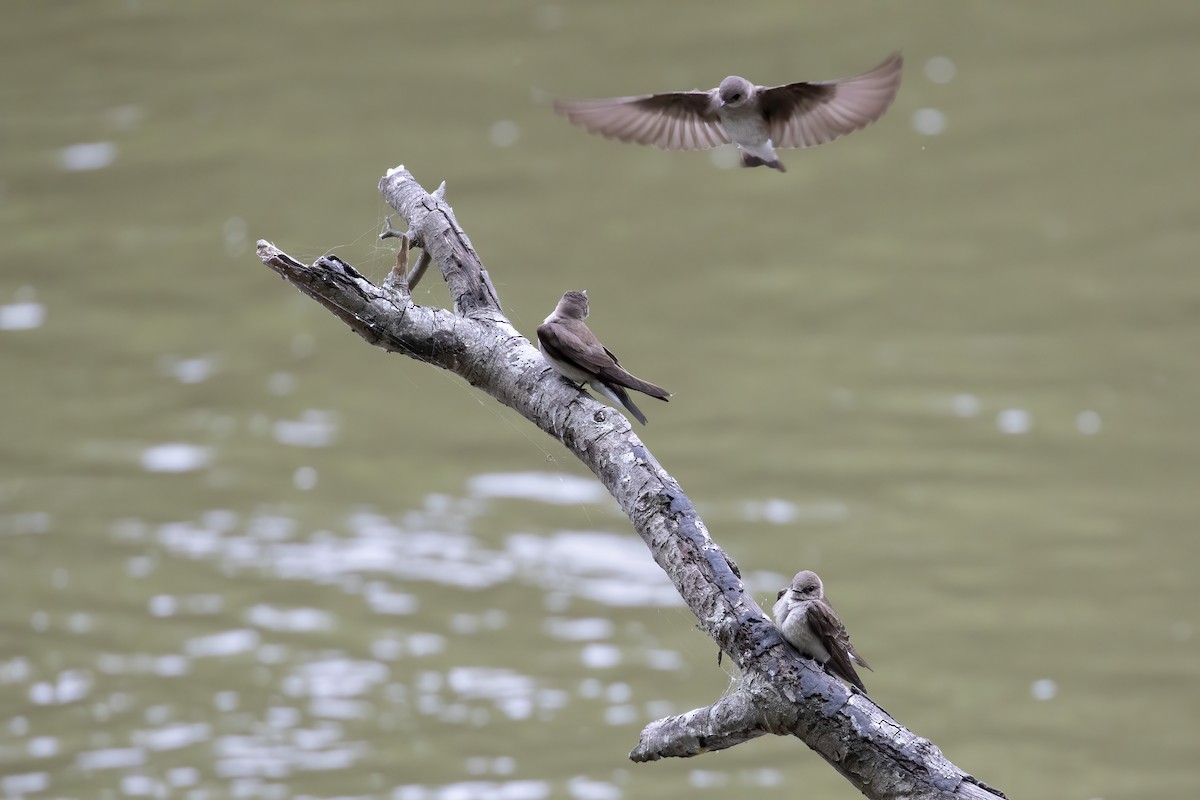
[(949, 362)]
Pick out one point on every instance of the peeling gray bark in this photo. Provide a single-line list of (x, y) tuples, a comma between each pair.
[(780, 692)]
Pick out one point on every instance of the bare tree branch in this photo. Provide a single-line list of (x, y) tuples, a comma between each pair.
[(780, 692)]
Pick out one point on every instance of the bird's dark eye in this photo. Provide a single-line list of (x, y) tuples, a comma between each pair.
[(735, 97)]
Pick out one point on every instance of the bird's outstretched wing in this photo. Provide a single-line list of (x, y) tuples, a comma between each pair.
[(673, 121), (825, 624), (805, 114)]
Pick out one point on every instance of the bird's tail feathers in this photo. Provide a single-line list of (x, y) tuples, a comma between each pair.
[(845, 671), (645, 387), (619, 376), (618, 395)]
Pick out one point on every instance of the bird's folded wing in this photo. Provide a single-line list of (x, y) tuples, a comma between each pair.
[(564, 345), (825, 624), (674, 121), (806, 114)]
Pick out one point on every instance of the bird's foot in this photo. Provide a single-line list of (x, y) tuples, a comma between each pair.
[(749, 160)]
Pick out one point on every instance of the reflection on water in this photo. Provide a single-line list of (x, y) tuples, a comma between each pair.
[(93, 155), (21, 316), (308, 698), (544, 487), (317, 697), (189, 370), (604, 567), (478, 790), (176, 457), (314, 428)]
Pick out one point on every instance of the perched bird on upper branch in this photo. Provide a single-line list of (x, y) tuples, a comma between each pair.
[(575, 353), (757, 119)]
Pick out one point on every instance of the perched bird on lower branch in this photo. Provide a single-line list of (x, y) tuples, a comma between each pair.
[(575, 353), (809, 624), (757, 119)]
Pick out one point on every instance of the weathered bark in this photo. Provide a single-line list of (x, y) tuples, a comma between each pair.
[(780, 692)]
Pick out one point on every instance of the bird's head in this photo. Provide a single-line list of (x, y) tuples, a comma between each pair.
[(807, 586), (735, 92), (574, 305)]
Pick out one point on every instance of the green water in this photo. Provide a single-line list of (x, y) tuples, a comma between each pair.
[(956, 374)]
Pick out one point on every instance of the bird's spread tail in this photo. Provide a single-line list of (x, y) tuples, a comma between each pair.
[(749, 160)]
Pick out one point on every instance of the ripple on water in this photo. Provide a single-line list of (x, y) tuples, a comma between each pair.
[(1014, 421), (371, 557), (176, 457), (488, 683), (481, 765), (140, 786), (579, 630), (665, 660), (620, 715), (415, 645), (24, 783), (707, 778), (383, 600), (43, 746), (110, 758), (584, 788), (15, 670), (554, 488), (142, 664), (334, 677), (70, 686), (600, 656), (172, 737), (290, 619), (183, 776), (776, 511), (188, 370), (513, 694), (605, 567), (314, 428), (475, 790), (608, 568), (87, 156), (227, 643)]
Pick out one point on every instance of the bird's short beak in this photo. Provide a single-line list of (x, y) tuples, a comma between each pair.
[(723, 104)]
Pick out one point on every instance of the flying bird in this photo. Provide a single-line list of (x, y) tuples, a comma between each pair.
[(757, 119), (575, 353), (809, 624)]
